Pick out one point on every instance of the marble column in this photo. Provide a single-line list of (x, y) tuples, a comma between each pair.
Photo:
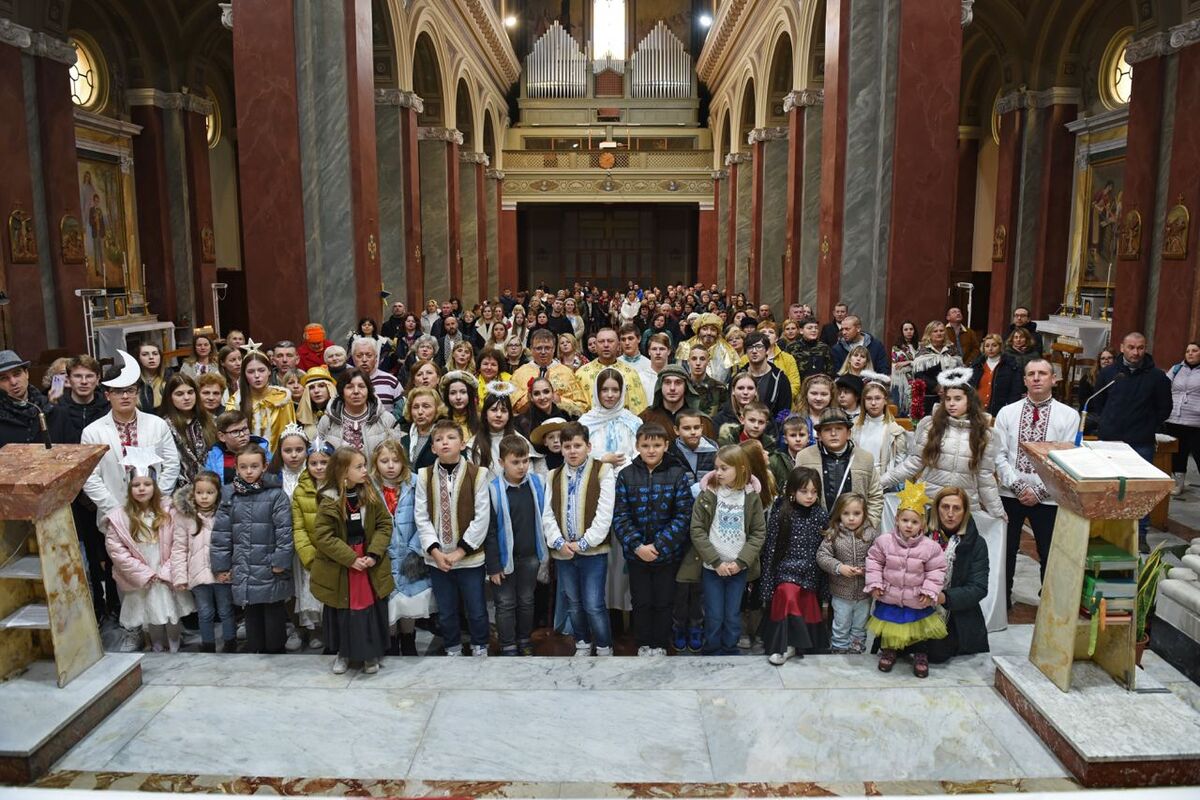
[(1008, 174), (439, 210), (794, 105), (160, 178), (410, 177), (364, 172), (493, 180), (509, 267), (833, 155), (391, 106), (721, 190), (742, 232), (481, 228), (470, 167), (966, 178), (1054, 207), (810, 221), (772, 160), (732, 160)]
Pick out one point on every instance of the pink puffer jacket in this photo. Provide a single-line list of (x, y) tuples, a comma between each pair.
[(130, 570), (905, 569), (189, 552)]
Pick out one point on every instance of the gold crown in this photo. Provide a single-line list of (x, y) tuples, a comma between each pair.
[(913, 498)]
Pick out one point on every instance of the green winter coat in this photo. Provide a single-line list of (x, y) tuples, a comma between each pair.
[(304, 518), (331, 567), (703, 511)]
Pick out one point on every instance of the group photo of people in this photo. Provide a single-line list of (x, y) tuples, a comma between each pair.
[(638, 471)]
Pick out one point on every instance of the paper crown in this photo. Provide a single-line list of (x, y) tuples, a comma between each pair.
[(319, 445), (141, 462), (913, 498), (955, 378), (501, 388)]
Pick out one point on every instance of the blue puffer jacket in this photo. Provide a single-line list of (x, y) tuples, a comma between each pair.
[(251, 536), (215, 461), (408, 560), (654, 508)]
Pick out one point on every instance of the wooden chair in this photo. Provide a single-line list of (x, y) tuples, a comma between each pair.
[(1063, 356)]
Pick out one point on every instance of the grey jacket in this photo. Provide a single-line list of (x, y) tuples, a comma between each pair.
[(252, 534), (849, 548)]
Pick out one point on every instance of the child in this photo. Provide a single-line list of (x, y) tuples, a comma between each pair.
[(252, 547), (139, 539), (413, 597), (843, 555), (727, 530), (697, 452), (582, 492), (195, 506), (712, 393), (460, 392), (351, 573), (816, 396), (496, 422), (547, 438), (423, 408), (452, 512), (288, 464), (857, 360), (651, 514), (791, 587), (876, 431), (756, 424), (233, 433), (521, 523), (905, 571), (612, 428), (843, 467), (304, 520), (795, 436), (849, 393)]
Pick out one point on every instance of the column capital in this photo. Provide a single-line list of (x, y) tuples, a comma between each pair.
[(803, 97), (1185, 35), (494, 174), (439, 134), (52, 47), (1054, 96), (474, 158), (399, 98), (968, 12), (226, 14), (1010, 102), (171, 101), (738, 158), (1147, 47), (766, 134), (719, 174), (15, 35)]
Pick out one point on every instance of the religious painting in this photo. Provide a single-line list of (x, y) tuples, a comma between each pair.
[(70, 239), (1129, 247), (1175, 231), (1106, 185), (1000, 243), (22, 238), (102, 201)]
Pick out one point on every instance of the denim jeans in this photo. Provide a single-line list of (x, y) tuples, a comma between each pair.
[(514, 604), (215, 600), (465, 584), (1146, 451), (849, 622), (583, 580), (722, 611)]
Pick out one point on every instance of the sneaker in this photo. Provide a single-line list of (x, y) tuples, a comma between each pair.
[(316, 643), (370, 667), (241, 632), (777, 659), (858, 646), (525, 648), (583, 649), (695, 639), (340, 665), (658, 651), (480, 652), (452, 653), (744, 642), (645, 651), (604, 651), (293, 642), (679, 638)]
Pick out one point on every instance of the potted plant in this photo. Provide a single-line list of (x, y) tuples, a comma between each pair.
[(1150, 572)]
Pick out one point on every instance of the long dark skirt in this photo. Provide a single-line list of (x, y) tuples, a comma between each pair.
[(357, 635), (794, 620)]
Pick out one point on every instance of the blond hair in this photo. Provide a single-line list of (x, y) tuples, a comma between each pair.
[(391, 446), (732, 455)]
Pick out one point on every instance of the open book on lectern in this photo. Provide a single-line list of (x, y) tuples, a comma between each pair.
[(1106, 461)]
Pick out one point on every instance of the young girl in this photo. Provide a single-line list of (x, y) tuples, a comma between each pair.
[(495, 423), (269, 408), (293, 381), (229, 359), (138, 541), (816, 395), (858, 359), (351, 573), (760, 468), (843, 555), (195, 506), (191, 426), (459, 392), (304, 520), (235, 338), (791, 587), (288, 464), (547, 438), (252, 547), (876, 430), (413, 597), (318, 391), (543, 406), (904, 573), (728, 528), (611, 427), (742, 392)]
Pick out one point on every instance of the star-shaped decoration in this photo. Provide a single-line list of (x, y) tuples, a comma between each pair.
[(913, 497), (251, 346)]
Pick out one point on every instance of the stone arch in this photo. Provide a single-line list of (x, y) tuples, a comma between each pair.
[(780, 74), (464, 113), (427, 80), (747, 113), (810, 28)]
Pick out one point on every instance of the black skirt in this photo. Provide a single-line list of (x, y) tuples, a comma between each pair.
[(357, 635)]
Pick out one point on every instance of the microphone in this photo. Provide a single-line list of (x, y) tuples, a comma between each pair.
[(1120, 376), (45, 431)]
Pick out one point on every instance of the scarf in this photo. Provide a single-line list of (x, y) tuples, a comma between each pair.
[(601, 417), (241, 487)]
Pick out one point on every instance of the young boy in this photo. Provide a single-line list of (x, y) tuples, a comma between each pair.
[(581, 500), (698, 453), (812, 355), (712, 393), (843, 467), (252, 549), (521, 523), (795, 435), (233, 434), (849, 394), (651, 517), (756, 419), (453, 512)]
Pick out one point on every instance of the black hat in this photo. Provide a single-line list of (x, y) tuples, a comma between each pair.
[(851, 382)]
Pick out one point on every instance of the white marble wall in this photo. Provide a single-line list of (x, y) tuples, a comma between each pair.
[(774, 225), (810, 233), (392, 249), (745, 206), (435, 232), (468, 237)]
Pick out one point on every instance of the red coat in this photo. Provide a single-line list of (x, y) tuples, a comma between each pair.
[(310, 358)]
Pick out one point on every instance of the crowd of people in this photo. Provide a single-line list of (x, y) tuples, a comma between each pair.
[(565, 457)]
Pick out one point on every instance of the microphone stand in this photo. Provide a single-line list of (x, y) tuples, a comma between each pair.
[(1084, 412)]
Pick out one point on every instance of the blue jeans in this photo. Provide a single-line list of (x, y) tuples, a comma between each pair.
[(1146, 451), (465, 584), (722, 611), (215, 600), (849, 622), (583, 580)]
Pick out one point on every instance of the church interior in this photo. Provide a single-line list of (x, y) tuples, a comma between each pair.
[(178, 167)]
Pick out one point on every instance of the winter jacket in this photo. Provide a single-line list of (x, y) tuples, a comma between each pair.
[(797, 563), (378, 426), (190, 565), (705, 455), (849, 548), (304, 518), (425, 456), (1030, 326), (252, 535), (812, 358), (784, 361), (711, 395), (1133, 408), (880, 360), (1185, 395), (129, 568), (1008, 383), (331, 566), (19, 422), (310, 358), (70, 418), (653, 507), (702, 550), (777, 461), (965, 588), (953, 467), (905, 569), (864, 479), (108, 485), (215, 461), (409, 571)]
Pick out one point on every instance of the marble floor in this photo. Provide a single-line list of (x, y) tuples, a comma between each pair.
[(523, 726)]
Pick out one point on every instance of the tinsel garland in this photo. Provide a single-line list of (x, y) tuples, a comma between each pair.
[(916, 406)]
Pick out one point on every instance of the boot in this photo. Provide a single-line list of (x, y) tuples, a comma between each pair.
[(208, 647), (1180, 478), (408, 644), (229, 647)]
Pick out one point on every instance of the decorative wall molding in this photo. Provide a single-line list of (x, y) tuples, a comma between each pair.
[(90, 120), (803, 97), (1185, 35), (399, 98), (469, 157), (767, 134), (440, 134), (171, 101), (1164, 42), (662, 188), (494, 174), (226, 14), (1023, 98), (490, 30), (14, 35), (729, 18), (738, 158), (52, 47), (968, 12), (720, 174)]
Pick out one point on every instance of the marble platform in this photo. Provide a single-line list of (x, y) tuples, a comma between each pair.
[(1105, 735), (39, 722)]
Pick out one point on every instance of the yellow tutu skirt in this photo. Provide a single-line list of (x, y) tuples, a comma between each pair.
[(899, 635)]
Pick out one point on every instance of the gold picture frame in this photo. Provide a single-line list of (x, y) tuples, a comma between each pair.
[(1176, 230), (22, 238), (1000, 243), (1129, 244), (1102, 222), (70, 237)]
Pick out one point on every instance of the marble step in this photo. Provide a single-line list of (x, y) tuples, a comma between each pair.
[(35, 616), (25, 568)]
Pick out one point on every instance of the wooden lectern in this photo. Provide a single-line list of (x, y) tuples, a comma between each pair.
[(45, 601), (1107, 509)]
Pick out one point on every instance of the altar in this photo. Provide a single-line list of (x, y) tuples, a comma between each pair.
[(1092, 334)]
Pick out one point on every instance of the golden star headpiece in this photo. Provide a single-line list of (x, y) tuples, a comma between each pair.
[(913, 498)]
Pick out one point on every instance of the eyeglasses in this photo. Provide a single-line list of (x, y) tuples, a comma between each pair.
[(128, 390), (758, 346), (237, 431)]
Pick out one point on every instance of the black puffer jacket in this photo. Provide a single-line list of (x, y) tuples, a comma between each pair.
[(1133, 408), (70, 418), (965, 589), (19, 422), (252, 533), (1008, 384)]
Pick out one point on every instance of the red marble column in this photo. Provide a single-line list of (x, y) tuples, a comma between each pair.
[(1141, 180), (925, 158), (759, 155), (1054, 212), (1008, 176), (24, 318), (706, 266), (410, 170), (273, 233), (481, 228), (964, 204), (364, 173), (154, 210), (1178, 308), (452, 242), (60, 178), (833, 155), (199, 179), (731, 236), (795, 205), (507, 233)]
